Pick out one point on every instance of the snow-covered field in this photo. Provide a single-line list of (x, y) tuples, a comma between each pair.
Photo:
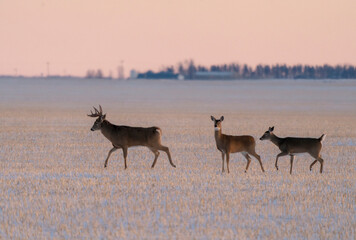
[(53, 184)]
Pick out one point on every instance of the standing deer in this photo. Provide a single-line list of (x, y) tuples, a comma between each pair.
[(125, 137), (227, 144), (292, 146)]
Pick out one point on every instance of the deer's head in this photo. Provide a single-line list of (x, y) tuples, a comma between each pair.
[(100, 118), (217, 122), (267, 134)]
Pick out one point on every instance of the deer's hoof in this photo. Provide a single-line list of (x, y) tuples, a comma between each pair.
[(245, 171), (277, 168)]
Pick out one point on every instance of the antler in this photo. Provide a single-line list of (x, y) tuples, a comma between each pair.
[(97, 113)]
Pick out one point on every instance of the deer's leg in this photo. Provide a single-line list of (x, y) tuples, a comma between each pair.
[(166, 150), (253, 153), (291, 163), (311, 165), (279, 155), (248, 158), (110, 152), (124, 150), (322, 163), (317, 157), (223, 156), (156, 152), (227, 161)]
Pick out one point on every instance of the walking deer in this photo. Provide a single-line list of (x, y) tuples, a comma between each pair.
[(292, 146), (124, 137), (227, 144)]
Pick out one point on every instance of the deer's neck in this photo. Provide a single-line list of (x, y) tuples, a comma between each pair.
[(218, 134), (106, 129), (276, 140)]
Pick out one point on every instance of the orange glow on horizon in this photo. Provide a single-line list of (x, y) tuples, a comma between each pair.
[(74, 36)]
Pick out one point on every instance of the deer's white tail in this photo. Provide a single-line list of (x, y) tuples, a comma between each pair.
[(322, 137), (159, 130)]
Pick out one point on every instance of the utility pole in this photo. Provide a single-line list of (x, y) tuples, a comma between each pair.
[(121, 70), (47, 69)]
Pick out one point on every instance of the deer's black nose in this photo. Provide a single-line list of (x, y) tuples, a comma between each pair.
[(92, 129), (260, 138)]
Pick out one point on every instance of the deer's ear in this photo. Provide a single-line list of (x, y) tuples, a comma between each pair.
[(103, 117), (271, 129), (212, 118), (222, 118)]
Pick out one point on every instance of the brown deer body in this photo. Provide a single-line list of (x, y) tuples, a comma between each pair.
[(124, 137), (293, 146), (227, 144)]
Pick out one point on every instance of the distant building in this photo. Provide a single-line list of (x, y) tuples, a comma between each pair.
[(180, 77), (133, 74)]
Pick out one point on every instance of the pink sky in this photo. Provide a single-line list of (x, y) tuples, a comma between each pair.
[(75, 35)]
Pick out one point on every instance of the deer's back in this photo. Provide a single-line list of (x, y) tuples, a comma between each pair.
[(301, 145), (135, 136), (241, 143)]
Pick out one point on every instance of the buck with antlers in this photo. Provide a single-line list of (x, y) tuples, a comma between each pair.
[(124, 137), (227, 144), (292, 146)]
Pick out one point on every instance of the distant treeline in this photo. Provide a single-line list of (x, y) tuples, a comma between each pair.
[(189, 70), (97, 74)]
